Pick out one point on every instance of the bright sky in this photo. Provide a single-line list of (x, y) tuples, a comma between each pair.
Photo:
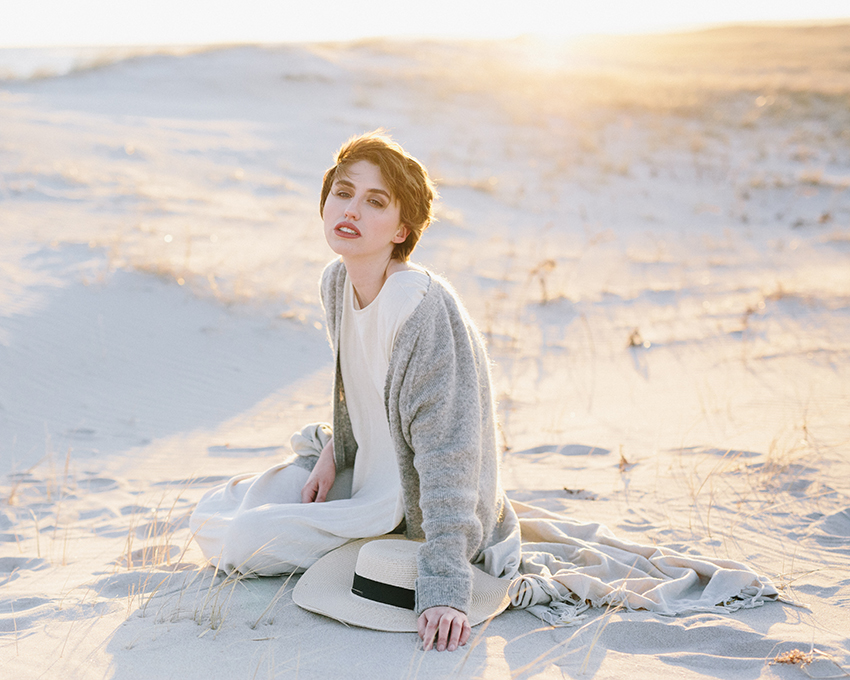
[(124, 22)]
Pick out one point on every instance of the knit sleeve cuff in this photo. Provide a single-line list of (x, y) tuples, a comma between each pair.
[(441, 591), (305, 462)]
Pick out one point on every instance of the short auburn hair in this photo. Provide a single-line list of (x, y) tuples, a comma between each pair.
[(406, 178)]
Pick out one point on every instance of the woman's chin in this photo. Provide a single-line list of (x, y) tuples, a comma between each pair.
[(338, 245)]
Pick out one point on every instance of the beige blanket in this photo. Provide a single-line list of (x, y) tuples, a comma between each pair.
[(569, 566)]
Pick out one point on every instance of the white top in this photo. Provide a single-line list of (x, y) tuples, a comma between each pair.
[(366, 343), (258, 524)]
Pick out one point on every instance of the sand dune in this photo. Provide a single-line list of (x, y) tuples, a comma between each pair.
[(653, 234)]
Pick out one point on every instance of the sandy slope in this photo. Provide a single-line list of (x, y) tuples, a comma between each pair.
[(661, 266)]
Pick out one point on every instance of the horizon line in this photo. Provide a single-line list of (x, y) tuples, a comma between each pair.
[(683, 29)]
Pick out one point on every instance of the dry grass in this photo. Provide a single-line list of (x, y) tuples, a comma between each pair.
[(797, 657)]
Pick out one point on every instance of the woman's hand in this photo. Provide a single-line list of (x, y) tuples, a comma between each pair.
[(322, 477), (448, 625)]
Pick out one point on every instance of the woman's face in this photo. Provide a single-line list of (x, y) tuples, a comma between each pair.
[(362, 219)]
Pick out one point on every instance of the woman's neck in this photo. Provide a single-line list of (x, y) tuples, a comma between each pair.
[(368, 279)]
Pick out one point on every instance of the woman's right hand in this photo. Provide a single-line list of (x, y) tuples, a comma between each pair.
[(322, 477)]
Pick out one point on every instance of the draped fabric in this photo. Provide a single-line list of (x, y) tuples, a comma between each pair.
[(569, 566)]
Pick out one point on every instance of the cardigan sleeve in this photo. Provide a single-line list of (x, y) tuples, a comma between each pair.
[(331, 289), (440, 415)]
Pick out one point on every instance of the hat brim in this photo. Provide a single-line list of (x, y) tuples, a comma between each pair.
[(325, 588)]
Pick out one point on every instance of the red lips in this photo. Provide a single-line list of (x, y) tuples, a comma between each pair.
[(346, 230)]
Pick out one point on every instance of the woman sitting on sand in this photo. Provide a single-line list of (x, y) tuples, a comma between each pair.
[(413, 442)]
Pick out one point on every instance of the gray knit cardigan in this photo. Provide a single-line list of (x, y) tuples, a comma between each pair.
[(440, 409)]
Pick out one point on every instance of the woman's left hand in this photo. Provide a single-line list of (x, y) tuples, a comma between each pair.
[(322, 477), (449, 626)]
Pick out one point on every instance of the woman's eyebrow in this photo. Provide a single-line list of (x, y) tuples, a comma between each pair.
[(380, 191), (349, 184)]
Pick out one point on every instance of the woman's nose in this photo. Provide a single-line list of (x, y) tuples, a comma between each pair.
[(352, 211)]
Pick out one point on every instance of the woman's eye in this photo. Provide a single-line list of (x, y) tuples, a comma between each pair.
[(342, 193), (376, 203)]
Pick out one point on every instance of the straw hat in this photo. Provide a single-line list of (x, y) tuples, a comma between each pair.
[(371, 583)]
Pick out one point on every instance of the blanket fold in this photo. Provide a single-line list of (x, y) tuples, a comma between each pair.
[(569, 566)]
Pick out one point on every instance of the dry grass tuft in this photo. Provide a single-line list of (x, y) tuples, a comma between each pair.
[(804, 659), (541, 273), (794, 656)]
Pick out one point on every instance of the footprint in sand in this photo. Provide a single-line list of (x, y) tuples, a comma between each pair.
[(566, 450), (160, 527), (150, 556), (117, 586), (11, 567), (18, 614), (134, 510), (6, 523), (711, 451), (833, 531), (97, 484), (97, 513), (25, 613)]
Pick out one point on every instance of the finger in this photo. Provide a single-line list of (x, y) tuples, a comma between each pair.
[(421, 622), (322, 492), (454, 635), (308, 492), (443, 634), (465, 633), (430, 633)]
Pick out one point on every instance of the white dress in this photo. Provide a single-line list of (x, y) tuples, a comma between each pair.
[(257, 523)]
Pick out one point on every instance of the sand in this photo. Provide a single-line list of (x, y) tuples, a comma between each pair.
[(653, 234)]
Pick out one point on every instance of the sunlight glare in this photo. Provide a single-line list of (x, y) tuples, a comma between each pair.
[(163, 22)]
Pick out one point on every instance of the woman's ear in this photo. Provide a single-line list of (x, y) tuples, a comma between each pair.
[(402, 234)]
